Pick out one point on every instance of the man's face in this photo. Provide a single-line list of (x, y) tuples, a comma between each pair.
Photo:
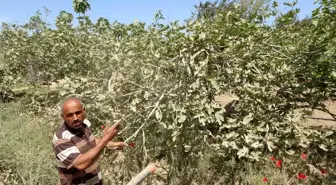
[(73, 113)]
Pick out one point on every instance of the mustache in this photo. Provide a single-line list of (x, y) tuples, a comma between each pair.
[(77, 121)]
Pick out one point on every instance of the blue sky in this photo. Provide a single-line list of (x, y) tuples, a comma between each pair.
[(124, 11)]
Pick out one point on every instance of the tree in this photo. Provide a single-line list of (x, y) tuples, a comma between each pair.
[(206, 10), (252, 8), (81, 7), (249, 8)]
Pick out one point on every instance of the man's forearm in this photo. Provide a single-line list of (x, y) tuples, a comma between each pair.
[(86, 159), (97, 140)]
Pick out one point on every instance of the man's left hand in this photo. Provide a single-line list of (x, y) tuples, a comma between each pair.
[(116, 145)]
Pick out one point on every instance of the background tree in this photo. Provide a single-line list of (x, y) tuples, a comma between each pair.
[(249, 9), (81, 7)]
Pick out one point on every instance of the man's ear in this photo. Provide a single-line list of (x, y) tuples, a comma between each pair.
[(84, 112)]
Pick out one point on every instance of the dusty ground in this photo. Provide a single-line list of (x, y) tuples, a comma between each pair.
[(322, 119), (318, 119)]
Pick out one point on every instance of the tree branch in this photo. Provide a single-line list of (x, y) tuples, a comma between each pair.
[(326, 111), (150, 114)]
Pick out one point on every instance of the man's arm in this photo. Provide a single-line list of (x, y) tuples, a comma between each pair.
[(97, 140), (85, 160)]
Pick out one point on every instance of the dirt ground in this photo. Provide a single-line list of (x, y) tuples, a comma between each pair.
[(317, 119), (322, 119)]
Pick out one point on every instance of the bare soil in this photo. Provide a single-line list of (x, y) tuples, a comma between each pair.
[(322, 119), (317, 119)]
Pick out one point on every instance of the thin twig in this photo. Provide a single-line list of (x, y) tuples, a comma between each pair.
[(144, 146), (109, 83), (150, 114), (258, 71), (276, 46), (119, 133), (323, 109), (150, 65), (327, 111), (128, 94), (280, 53), (133, 83)]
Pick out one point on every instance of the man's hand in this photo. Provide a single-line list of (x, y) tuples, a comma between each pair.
[(108, 137), (116, 145), (110, 132)]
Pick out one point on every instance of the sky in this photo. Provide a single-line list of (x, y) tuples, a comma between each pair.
[(124, 11)]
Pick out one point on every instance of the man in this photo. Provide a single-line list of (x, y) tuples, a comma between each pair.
[(76, 149)]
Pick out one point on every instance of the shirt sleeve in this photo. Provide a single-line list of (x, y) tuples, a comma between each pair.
[(66, 152)]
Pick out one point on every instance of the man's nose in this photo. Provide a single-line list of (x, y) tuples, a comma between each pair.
[(75, 117)]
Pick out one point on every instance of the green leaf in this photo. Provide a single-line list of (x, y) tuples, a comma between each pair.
[(333, 74), (174, 135), (158, 114), (181, 118), (257, 144), (275, 4), (323, 147), (219, 116), (290, 152), (247, 119), (231, 134), (270, 145), (243, 152), (215, 84), (202, 36), (187, 148)]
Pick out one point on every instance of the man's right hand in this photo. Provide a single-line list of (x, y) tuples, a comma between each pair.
[(110, 132)]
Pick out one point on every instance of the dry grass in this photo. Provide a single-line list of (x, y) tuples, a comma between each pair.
[(26, 155)]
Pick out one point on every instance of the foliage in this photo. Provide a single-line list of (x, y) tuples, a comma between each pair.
[(249, 9), (162, 80), (81, 6)]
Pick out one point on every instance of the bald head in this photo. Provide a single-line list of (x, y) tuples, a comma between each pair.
[(73, 112), (70, 101)]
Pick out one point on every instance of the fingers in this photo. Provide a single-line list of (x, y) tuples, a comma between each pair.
[(116, 124), (118, 145), (113, 127), (111, 131), (121, 145)]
